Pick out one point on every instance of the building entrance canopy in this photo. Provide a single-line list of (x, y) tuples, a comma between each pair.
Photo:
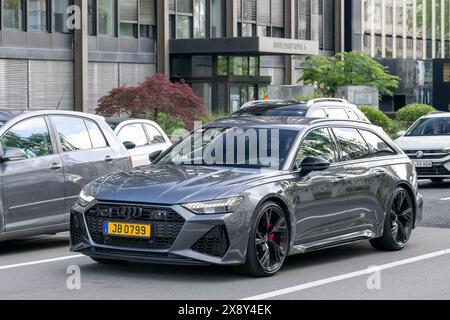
[(244, 45)]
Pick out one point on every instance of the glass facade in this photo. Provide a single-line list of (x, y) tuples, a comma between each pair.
[(106, 15), (37, 15), (416, 29), (12, 14), (60, 15)]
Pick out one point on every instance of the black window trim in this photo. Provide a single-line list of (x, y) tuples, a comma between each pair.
[(374, 154)]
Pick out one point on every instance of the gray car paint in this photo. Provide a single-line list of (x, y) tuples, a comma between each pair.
[(36, 199), (354, 208)]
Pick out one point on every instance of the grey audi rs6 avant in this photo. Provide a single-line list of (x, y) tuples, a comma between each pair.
[(248, 192)]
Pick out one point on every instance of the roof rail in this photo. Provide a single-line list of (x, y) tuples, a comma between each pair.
[(256, 102), (318, 120), (314, 101)]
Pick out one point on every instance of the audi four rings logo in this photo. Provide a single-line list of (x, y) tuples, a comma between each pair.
[(126, 212), (419, 154)]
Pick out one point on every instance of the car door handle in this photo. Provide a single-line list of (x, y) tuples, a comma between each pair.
[(108, 159), (340, 178), (55, 166), (380, 174)]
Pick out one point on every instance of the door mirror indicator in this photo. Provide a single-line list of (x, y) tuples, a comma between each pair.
[(154, 155), (129, 145), (310, 164), (13, 154)]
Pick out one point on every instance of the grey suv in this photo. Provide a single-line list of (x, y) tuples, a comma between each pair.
[(46, 158), (249, 192)]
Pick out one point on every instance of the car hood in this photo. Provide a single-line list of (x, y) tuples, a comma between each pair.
[(169, 184), (423, 143)]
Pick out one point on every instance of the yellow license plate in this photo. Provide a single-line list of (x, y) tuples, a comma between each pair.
[(121, 229)]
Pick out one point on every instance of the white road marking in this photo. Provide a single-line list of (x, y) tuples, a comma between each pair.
[(355, 274), (444, 199), (32, 263)]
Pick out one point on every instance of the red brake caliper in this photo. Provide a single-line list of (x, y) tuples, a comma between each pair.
[(271, 236)]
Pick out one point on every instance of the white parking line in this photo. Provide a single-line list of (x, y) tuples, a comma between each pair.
[(444, 199), (355, 274), (32, 263)]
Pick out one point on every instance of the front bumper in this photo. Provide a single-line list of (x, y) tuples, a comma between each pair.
[(182, 238), (440, 168)]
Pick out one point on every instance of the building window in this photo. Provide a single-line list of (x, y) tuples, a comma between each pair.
[(181, 19), (199, 18), (270, 17), (12, 14), (92, 21), (184, 27), (147, 19), (106, 11), (60, 15), (216, 18), (37, 15), (238, 65), (128, 18)]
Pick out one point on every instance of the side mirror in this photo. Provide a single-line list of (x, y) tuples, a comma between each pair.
[(129, 145), (401, 133), (13, 154), (310, 164), (154, 155)]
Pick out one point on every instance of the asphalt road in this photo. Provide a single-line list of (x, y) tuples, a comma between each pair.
[(37, 269)]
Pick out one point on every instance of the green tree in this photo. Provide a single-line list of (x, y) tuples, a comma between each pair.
[(348, 68)]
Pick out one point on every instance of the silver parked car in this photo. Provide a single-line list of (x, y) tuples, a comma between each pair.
[(249, 192), (427, 143), (331, 108), (46, 158), (147, 136)]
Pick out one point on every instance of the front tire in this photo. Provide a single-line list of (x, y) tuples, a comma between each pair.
[(268, 243), (398, 224)]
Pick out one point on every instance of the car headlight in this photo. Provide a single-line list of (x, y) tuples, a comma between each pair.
[(215, 206), (447, 149), (85, 199)]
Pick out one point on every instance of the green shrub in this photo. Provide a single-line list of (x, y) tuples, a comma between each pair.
[(409, 114), (168, 123), (378, 118), (307, 97)]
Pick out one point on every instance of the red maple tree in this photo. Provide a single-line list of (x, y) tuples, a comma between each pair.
[(155, 94)]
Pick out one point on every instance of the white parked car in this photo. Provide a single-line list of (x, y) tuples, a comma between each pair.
[(146, 135), (427, 143)]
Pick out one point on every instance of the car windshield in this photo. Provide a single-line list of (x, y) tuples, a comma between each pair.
[(430, 127), (287, 111), (233, 147)]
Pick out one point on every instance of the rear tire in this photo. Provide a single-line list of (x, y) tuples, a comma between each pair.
[(268, 243), (398, 224), (437, 180)]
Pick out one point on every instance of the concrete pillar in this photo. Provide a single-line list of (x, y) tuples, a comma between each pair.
[(231, 16), (162, 40), (289, 61), (81, 59)]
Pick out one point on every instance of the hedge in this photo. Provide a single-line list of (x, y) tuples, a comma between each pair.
[(378, 118), (409, 114)]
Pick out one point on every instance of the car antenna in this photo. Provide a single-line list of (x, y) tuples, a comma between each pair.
[(62, 96)]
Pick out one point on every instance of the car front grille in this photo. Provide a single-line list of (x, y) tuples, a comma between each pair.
[(436, 170), (214, 243), (166, 224), (427, 154)]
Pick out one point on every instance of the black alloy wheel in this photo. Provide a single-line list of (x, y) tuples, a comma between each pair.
[(399, 222), (269, 242)]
